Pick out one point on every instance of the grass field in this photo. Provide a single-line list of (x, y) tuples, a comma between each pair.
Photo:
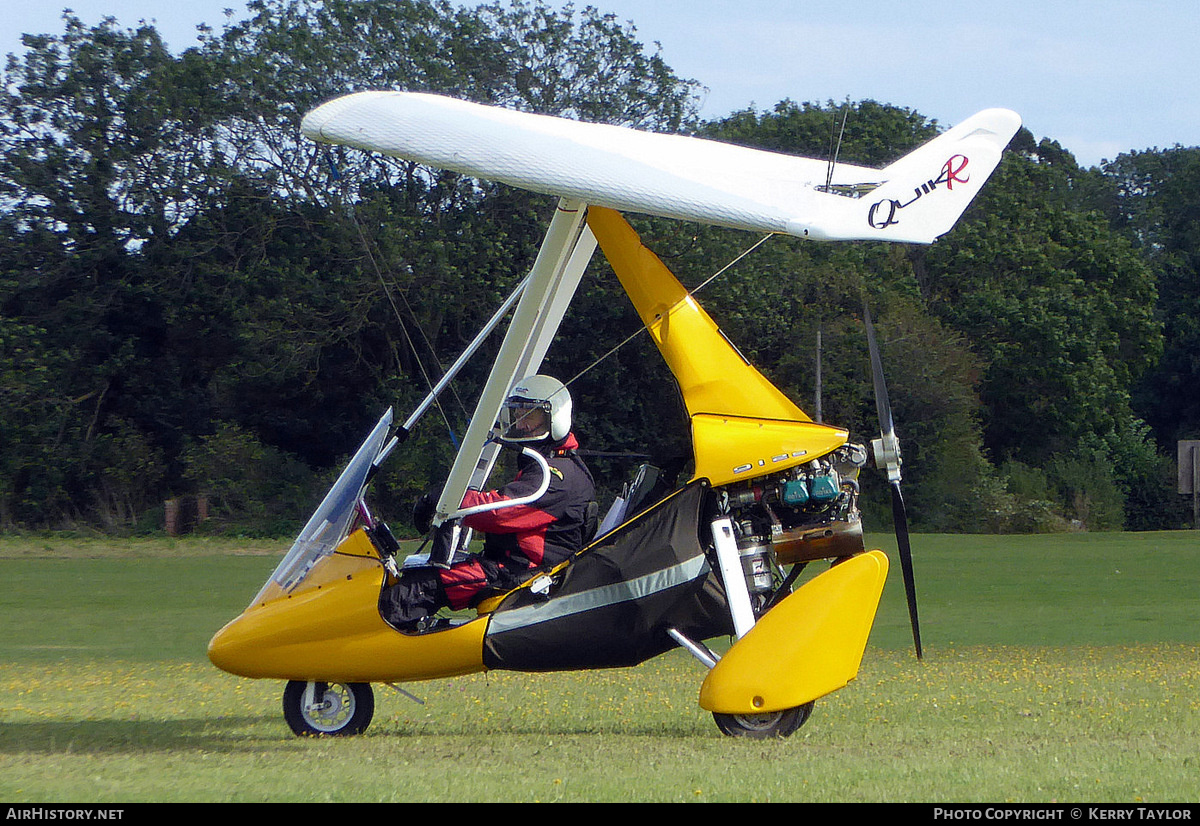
[(1057, 668)]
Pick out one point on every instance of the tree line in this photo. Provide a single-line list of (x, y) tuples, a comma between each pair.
[(196, 300)]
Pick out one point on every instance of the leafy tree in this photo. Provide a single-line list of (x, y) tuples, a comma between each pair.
[(91, 165), (430, 253), (1060, 308), (179, 260), (866, 132), (1157, 202), (777, 300), (188, 286)]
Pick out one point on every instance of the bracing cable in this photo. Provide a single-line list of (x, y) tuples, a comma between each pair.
[(690, 293)]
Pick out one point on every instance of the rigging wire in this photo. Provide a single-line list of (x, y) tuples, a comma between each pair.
[(643, 328), (404, 329), (336, 174), (690, 293)]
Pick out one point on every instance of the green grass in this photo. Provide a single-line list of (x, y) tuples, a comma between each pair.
[(1075, 589), (1057, 668)]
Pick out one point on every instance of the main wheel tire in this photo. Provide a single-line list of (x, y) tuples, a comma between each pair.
[(331, 709), (764, 726)]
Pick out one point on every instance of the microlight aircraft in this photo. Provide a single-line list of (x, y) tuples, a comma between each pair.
[(769, 491)]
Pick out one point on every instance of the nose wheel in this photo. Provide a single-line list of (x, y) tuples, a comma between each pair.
[(328, 709)]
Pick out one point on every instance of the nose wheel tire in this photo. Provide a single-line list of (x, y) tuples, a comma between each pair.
[(328, 709), (764, 726)]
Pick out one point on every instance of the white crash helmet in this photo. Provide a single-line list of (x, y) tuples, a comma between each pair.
[(537, 409)]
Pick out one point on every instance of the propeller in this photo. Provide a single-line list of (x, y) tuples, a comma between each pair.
[(886, 450)]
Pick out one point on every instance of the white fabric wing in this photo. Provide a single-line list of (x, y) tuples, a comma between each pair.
[(676, 176)]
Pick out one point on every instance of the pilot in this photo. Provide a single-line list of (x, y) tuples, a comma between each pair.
[(520, 539)]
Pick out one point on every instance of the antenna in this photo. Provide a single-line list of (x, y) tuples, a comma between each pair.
[(818, 394)]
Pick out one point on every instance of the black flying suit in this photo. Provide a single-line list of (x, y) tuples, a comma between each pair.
[(540, 534)]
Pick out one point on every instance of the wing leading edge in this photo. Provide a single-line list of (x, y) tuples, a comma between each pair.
[(915, 200)]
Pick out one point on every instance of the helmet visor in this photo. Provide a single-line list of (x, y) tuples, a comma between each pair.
[(524, 420)]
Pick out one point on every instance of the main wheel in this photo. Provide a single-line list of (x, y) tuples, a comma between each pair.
[(334, 709), (764, 726)]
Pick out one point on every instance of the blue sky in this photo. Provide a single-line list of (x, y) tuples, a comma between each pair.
[(1100, 76)]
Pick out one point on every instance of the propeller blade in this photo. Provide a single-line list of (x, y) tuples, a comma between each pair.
[(887, 457), (887, 446), (900, 518), (882, 405)]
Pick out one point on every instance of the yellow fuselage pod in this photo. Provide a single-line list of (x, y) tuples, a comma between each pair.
[(809, 645), (732, 448), (329, 628), (742, 425)]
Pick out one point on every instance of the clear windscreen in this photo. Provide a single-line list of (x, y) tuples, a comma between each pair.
[(331, 521)]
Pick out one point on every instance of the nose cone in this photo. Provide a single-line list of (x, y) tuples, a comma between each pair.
[(236, 648), (281, 639), (331, 626)]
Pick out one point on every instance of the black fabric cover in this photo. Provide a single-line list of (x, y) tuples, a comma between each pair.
[(417, 595), (612, 605)]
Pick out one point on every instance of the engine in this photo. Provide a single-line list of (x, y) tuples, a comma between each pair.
[(806, 513)]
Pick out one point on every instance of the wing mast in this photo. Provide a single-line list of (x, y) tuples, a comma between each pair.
[(561, 261)]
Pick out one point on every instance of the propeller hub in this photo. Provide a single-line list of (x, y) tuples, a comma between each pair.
[(886, 452)]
